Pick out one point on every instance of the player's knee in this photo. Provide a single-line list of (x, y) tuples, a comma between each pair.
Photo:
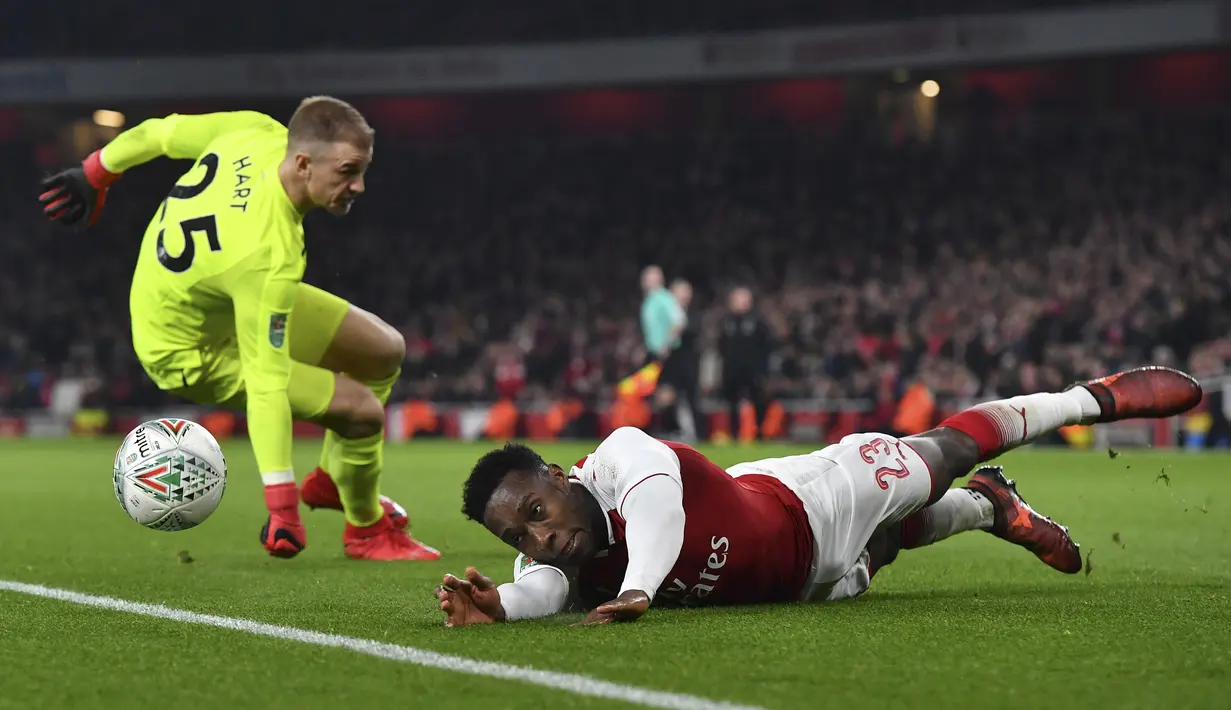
[(355, 412), (958, 451), (366, 419), (949, 455), (383, 355), (366, 348), (388, 357)]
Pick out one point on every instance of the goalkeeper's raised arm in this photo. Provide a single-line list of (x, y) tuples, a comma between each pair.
[(77, 195), (177, 136)]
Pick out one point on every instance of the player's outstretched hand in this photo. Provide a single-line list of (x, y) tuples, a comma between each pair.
[(629, 606), (76, 196), (474, 600)]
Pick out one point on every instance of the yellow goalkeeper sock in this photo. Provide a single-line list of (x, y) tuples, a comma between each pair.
[(355, 466), (356, 471), (327, 451)]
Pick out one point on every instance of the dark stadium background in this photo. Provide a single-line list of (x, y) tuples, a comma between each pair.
[(1035, 222)]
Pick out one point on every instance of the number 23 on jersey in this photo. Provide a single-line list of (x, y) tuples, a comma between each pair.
[(879, 451)]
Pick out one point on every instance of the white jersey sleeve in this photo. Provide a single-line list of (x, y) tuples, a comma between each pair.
[(638, 477), (654, 533), (536, 590), (626, 458)]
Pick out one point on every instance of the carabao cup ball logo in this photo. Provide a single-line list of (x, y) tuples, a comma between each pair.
[(176, 478)]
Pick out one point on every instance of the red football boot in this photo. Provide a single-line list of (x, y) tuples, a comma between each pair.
[(319, 491), (283, 534), (1019, 524), (384, 542), (1144, 393)]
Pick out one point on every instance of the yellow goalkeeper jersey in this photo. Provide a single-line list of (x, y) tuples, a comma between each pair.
[(220, 262)]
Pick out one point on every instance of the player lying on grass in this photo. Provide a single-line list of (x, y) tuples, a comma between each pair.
[(220, 315), (641, 520)]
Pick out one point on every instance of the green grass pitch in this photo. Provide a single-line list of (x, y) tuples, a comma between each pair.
[(970, 623)]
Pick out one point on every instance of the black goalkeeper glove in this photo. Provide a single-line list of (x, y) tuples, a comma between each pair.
[(77, 195)]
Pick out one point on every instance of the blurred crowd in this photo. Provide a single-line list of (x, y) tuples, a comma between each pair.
[(152, 28), (984, 262)]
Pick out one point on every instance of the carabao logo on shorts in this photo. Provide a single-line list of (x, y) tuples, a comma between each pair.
[(277, 329)]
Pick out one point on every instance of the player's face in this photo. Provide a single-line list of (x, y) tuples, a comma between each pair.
[(335, 175), (544, 517), (741, 300)]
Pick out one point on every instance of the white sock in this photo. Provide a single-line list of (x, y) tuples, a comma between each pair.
[(959, 510), (1020, 420), (274, 478)]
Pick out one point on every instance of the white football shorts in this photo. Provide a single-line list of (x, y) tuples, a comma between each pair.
[(849, 490)]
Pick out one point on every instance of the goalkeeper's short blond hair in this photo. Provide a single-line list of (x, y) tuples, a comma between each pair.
[(324, 119)]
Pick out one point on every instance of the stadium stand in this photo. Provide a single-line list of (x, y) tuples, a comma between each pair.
[(98, 30), (990, 261)]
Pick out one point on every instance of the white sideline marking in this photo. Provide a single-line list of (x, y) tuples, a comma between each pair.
[(568, 682)]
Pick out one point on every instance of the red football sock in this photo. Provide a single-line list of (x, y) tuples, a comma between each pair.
[(282, 497)]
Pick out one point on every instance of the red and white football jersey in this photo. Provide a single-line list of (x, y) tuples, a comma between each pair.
[(746, 540)]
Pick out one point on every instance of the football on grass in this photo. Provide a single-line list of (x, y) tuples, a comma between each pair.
[(169, 474)]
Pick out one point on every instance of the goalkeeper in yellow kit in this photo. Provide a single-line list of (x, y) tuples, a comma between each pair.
[(220, 315)]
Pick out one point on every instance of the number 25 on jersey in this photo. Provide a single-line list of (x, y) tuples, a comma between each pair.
[(206, 224)]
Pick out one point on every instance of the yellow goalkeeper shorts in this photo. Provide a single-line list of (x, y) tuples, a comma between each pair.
[(317, 315)]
